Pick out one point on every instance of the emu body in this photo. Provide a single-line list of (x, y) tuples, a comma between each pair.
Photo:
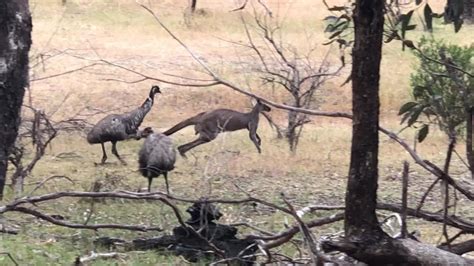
[(209, 124), (156, 157), (118, 127)]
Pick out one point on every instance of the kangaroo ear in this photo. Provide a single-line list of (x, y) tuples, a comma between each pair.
[(253, 101)]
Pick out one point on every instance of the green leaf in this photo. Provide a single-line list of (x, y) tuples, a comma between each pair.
[(405, 19), (337, 8), (428, 13), (414, 115), (407, 107), (418, 91), (393, 35), (422, 133), (335, 34)]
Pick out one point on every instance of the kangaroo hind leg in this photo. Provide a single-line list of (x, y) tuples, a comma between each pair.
[(203, 138)]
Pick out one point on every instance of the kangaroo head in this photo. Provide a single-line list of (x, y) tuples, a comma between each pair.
[(154, 90), (144, 133), (263, 107)]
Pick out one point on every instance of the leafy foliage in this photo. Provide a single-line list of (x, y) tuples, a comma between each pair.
[(440, 94)]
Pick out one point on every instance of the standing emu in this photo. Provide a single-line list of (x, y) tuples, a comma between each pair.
[(118, 127), (156, 157), (209, 124)]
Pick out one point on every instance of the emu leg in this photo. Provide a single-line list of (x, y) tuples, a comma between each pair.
[(150, 179), (104, 154), (114, 152), (165, 174), (201, 140)]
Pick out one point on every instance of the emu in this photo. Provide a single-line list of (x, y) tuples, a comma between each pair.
[(156, 157), (209, 124), (118, 127)]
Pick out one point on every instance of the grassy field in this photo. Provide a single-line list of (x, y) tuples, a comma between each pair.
[(122, 32)]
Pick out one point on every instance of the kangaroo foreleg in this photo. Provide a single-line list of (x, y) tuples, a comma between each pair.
[(256, 140)]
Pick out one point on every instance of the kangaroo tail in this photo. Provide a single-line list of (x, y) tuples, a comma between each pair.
[(190, 121)]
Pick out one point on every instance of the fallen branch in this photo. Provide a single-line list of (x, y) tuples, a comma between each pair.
[(459, 248), (453, 221), (84, 226), (94, 256)]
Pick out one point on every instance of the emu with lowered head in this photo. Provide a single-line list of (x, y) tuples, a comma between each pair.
[(209, 124), (156, 157)]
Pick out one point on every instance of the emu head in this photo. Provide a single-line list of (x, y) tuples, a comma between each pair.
[(154, 90), (144, 133), (263, 107)]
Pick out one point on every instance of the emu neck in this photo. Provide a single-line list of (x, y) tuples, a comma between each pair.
[(135, 117)]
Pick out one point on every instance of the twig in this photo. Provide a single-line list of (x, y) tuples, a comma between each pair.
[(10, 256), (425, 195), (48, 179)]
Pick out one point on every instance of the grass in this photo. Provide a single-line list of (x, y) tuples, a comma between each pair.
[(316, 174)]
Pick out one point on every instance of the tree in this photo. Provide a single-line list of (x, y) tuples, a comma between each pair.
[(442, 92), (15, 42), (469, 11), (361, 194), (192, 5), (364, 239), (289, 69)]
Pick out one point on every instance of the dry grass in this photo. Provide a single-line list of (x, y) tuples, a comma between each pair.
[(119, 30)]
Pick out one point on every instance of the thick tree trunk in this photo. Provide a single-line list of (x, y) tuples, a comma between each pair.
[(15, 42), (361, 195)]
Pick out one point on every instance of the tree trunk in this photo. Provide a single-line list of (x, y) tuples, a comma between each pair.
[(192, 5), (469, 151), (361, 195), (469, 11), (15, 42)]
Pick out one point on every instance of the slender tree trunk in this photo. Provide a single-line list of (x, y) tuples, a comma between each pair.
[(361, 195), (469, 150), (15, 42), (193, 4)]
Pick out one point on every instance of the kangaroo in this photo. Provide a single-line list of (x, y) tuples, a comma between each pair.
[(209, 124)]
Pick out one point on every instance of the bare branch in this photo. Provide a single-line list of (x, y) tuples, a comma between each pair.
[(48, 179), (65, 73), (82, 226)]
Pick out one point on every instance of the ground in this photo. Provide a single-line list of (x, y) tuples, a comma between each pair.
[(122, 32)]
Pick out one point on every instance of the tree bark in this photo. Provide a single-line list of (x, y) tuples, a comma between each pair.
[(469, 11), (361, 195), (15, 42)]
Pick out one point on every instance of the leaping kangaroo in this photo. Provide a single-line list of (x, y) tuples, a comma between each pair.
[(209, 124)]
